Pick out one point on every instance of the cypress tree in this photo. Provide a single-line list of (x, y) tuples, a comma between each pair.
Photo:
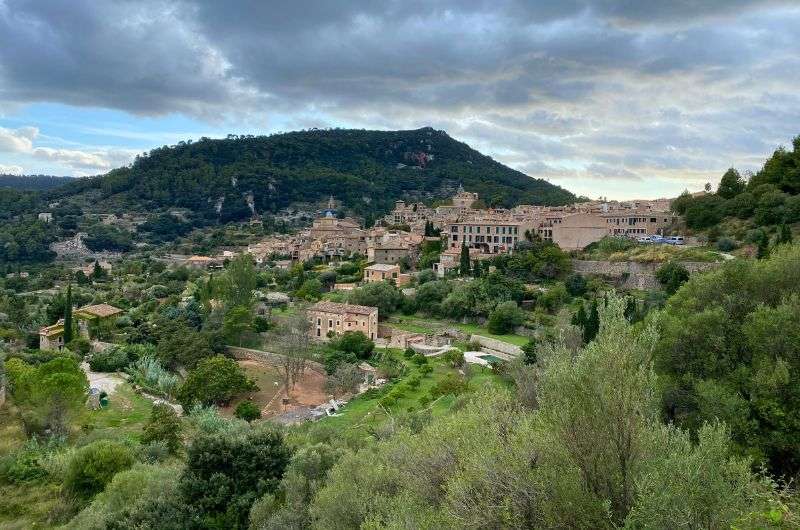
[(579, 318), (763, 247), (592, 324), (464, 264), (68, 315)]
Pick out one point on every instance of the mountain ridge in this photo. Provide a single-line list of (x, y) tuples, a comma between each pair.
[(365, 170)]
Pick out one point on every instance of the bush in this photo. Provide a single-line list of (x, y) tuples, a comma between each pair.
[(454, 357), (726, 244), (113, 359), (425, 369), (164, 426), (215, 381), (354, 342), (335, 358), (79, 345), (450, 384), (671, 276), (93, 466), (387, 401), (148, 373), (247, 411), (261, 324), (505, 318), (419, 359), (409, 353)]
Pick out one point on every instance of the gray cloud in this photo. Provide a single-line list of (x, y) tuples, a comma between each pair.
[(604, 88)]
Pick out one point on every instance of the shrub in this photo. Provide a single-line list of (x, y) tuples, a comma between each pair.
[(454, 357), (154, 452), (354, 342), (163, 426), (409, 353), (505, 318), (413, 382), (726, 244), (148, 373), (247, 411), (419, 359), (671, 276), (215, 381), (387, 401), (22, 466), (93, 466), (112, 359), (425, 369), (261, 324), (450, 384), (425, 400), (79, 345)]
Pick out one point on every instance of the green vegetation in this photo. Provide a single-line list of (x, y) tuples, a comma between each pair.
[(308, 167)]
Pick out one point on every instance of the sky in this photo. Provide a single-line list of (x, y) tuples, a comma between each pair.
[(616, 98)]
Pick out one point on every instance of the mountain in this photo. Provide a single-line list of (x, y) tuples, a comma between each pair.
[(365, 170), (32, 182)]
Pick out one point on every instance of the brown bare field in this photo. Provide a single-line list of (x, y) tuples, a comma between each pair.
[(308, 392)]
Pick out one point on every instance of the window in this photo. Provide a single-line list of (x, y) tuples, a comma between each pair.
[(319, 321), (330, 323), (319, 332)]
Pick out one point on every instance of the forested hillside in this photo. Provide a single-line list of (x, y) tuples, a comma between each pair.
[(366, 170), (758, 210), (32, 182)]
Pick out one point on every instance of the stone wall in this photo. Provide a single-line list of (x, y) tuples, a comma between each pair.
[(633, 275), (489, 345), (272, 359)]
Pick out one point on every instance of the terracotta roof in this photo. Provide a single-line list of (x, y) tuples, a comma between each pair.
[(100, 310), (343, 309), (55, 329), (200, 258)]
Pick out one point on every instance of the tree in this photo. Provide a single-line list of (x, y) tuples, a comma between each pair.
[(592, 325), (238, 321), (784, 234), (94, 465), (671, 276), (98, 272), (383, 295), (247, 411), (226, 473), (49, 395), (68, 335), (163, 426), (294, 344), (762, 248), (180, 345), (239, 282), (529, 352), (731, 184), (354, 342), (344, 380), (505, 318), (214, 381), (464, 262)]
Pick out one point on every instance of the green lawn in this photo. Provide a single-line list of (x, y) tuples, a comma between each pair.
[(125, 416), (474, 329), (430, 325), (364, 414)]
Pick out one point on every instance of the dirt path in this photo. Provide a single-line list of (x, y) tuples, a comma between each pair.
[(107, 382)]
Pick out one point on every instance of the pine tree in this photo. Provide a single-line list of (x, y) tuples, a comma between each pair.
[(68, 315), (464, 263)]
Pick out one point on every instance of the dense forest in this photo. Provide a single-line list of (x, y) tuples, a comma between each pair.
[(365, 170), (751, 209), (32, 182)]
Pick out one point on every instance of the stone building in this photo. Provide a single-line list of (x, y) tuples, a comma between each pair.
[(332, 318)]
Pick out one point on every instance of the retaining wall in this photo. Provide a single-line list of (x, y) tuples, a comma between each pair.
[(273, 359), (634, 275)]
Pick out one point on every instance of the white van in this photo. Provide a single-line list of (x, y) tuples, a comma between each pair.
[(675, 240)]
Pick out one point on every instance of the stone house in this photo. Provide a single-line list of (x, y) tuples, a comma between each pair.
[(332, 318)]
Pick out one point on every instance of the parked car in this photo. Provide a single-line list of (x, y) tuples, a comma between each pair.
[(657, 239), (675, 240), (644, 239)]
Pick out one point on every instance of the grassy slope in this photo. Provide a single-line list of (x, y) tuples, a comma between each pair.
[(40, 504), (428, 325)]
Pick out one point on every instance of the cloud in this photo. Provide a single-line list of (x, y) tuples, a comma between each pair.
[(10, 170), (20, 142), (580, 89)]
